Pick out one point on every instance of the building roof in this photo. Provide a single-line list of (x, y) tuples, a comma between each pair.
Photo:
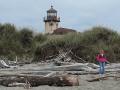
[(51, 10), (63, 31)]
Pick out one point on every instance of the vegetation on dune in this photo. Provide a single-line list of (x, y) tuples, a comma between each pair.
[(14, 42), (86, 45)]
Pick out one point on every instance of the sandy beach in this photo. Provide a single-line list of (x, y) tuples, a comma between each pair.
[(108, 84)]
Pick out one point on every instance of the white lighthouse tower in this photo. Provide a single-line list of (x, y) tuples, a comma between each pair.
[(51, 21)]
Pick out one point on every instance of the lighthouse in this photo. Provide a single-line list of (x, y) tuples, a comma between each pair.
[(51, 21)]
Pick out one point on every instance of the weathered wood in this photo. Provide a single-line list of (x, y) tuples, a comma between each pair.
[(73, 67), (40, 80), (77, 57), (19, 75), (102, 78), (59, 63), (50, 74), (55, 80), (89, 68), (81, 72), (16, 84), (6, 81)]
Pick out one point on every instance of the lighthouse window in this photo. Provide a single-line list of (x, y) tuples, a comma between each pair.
[(52, 14)]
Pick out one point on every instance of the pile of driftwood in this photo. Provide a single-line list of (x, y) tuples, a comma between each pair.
[(68, 78), (63, 62), (59, 65), (82, 68)]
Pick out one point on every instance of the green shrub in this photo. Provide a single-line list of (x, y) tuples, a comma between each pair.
[(11, 56), (40, 38), (46, 51)]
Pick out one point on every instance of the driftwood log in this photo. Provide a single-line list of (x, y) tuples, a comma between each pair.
[(73, 67), (39, 80), (103, 78)]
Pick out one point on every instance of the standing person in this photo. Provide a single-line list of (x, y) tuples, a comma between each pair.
[(102, 59)]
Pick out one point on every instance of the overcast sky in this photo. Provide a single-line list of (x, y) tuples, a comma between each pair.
[(74, 14)]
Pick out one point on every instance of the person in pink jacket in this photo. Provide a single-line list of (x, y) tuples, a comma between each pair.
[(101, 59)]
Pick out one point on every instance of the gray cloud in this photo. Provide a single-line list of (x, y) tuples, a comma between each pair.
[(75, 14)]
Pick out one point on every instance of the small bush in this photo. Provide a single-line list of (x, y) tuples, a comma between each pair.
[(45, 52), (40, 38), (11, 56)]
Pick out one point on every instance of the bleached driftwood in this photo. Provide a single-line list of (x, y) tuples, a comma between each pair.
[(113, 66), (103, 77), (59, 63), (85, 67), (73, 67), (50, 74)]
